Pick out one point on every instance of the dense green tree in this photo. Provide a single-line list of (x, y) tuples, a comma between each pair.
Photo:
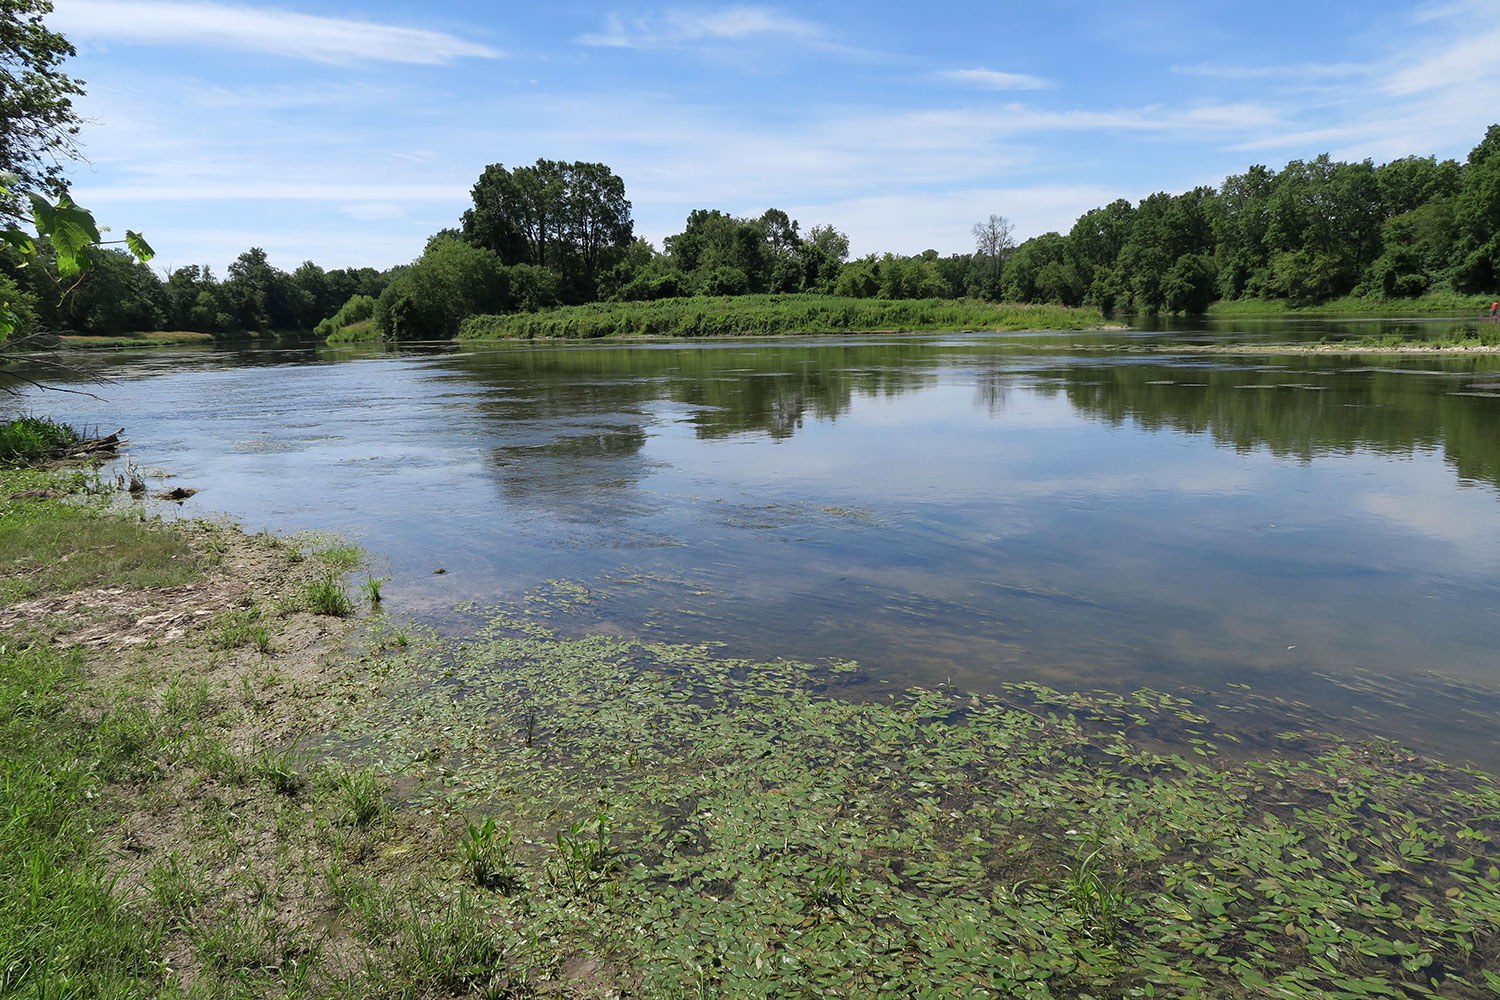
[(572, 218), (1476, 211), (823, 253), (1413, 181), (38, 124), (1093, 247), (118, 294), (1040, 270), (1240, 220), (258, 295), (452, 280), (1163, 230)]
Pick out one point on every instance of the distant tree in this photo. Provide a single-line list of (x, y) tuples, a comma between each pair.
[(1239, 223), (993, 242), (1093, 248), (823, 254), (719, 251), (572, 218), (452, 280), (1476, 211), (259, 296), (119, 294), (1039, 271)]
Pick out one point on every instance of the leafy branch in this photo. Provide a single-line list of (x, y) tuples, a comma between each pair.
[(70, 230)]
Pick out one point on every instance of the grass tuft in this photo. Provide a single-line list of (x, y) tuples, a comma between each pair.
[(326, 596)]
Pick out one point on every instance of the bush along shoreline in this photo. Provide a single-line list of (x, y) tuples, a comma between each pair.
[(232, 773), (769, 315)]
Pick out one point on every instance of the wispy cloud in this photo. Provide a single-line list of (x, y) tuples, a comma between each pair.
[(679, 28), (994, 79), (1302, 72), (253, 29)]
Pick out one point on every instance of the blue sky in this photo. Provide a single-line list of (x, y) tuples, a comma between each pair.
[(347, 132)]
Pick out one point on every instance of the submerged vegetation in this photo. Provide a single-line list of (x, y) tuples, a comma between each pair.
[(518, 812), (704, 825), (772, 314)]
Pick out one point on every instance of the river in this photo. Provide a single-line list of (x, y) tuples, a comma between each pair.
[(1094, 510)]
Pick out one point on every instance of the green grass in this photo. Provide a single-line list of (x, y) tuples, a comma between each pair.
[(152, 338), (326, 596), (57, 546), (63, 932), (763, 315), (32, 440), (1478, 334), (1432, 304), (355, 333)]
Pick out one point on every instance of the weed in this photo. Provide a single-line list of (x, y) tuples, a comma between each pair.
[(456, 951), (361, 797), (281, 769), (487, 860), (371, 588), (1101, 900), (30, 440), (234, 629), (325, 596), (830, 884), (342, 557), (584, 857)]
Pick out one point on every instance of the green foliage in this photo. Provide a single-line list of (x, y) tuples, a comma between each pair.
[(487, 859), (358, 309), (766, 838), (361, 796), (571, 219), (702, 316), (63, 932), (37, 120), (33, 440), (452, 280), (69, 235), (326, 596)]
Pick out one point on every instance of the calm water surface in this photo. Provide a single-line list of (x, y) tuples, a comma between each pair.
[(964, 508)]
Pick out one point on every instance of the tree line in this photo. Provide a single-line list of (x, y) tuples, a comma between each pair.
[(557, 233)]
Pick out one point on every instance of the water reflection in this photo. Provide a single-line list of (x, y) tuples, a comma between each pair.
[(970, 508)]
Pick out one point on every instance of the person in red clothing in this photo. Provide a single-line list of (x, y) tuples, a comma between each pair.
[(1494, 310)]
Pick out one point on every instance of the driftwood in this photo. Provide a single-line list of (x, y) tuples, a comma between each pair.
[(109, 444), (179, 493)]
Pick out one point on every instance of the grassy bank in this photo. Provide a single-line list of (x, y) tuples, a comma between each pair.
[(217, 786), (359, 332), (767, 315), (154, 338), (1434, 304)]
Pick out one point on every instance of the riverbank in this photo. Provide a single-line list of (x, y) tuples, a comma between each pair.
[(306, 804), (1382, 346), (154, 338), (769, 315), (1437, 304)]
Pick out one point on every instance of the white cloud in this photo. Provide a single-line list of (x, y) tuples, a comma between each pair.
[(1302, 72), (913, 221), (993, 79), (277, 32), (676, 28), (286, 190)]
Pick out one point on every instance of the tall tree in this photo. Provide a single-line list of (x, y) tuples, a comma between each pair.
[(1477, 215), (572, 218), (993, 242), (38, 125)]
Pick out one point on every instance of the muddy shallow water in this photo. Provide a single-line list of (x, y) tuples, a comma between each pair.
[(964, 508)]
